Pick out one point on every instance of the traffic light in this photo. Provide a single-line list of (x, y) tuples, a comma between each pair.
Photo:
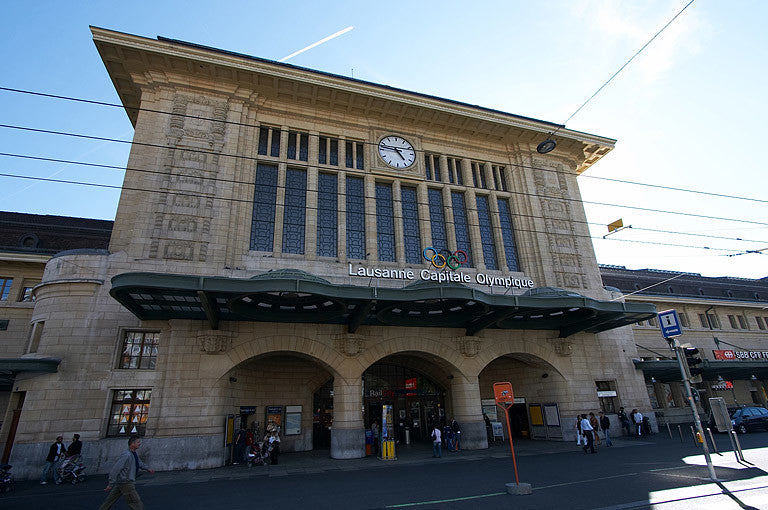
[(693, 361)]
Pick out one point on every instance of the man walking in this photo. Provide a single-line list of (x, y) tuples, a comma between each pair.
[(624, 421), (605, 424), (122, 477), (437, 448), (55, 455), (586, 429)]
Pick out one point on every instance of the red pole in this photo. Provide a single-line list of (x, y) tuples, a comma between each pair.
[(511, 446)]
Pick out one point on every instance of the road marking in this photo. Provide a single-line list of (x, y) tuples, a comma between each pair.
[(436, 501)]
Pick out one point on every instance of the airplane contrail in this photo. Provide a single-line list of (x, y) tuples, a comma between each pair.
[(321, 41)]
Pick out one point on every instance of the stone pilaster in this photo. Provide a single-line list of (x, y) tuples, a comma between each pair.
[(468, 412), (348, 432)]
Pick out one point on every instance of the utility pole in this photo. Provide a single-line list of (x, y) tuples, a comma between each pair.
[(670, 328)]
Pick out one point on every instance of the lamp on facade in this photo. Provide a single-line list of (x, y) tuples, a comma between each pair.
[(753, 377), (720, 379), (546, 146), (653, 379)]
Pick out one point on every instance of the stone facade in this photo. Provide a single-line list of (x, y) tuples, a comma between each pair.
[(207, 125)]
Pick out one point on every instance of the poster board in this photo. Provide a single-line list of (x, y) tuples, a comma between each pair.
[(274, 418), (498, 430), (292, 420)]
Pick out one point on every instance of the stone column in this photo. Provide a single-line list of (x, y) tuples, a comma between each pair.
[(468, 412), (348, 432)]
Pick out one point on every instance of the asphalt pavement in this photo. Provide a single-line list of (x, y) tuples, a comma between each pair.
[(655, 472)]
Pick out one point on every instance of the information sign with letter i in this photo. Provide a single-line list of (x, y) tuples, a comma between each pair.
[(670, 324)]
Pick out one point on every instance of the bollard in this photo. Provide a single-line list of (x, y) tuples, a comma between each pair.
[(680, 430), (693, 433), (738, 446), (733, 444), (669, 430)]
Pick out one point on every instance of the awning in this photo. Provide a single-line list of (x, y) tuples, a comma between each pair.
[(669, 371), (296, 296), (11, 367)]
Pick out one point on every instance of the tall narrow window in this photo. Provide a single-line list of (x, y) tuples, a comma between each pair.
[(129, 412), (411, 225), (454, 171), (298, 146), (354, 155), (5, 288), (486, 232), (327, 215), (508, 235), (432, 164), (264, 200), (385, 222), (437, 220), (295, 211), (328, 151), (461, 226), (478, 175), (269, 141), (355, 218), (499, 179), (139, 350)]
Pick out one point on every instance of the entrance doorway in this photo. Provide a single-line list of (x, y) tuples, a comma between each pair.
[(322, 416), (418, 401)]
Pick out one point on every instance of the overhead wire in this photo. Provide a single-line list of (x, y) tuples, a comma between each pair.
[(248, 125), (257, 159), (236, 182)]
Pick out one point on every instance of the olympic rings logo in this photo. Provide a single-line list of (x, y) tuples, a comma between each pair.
[(443, 258)]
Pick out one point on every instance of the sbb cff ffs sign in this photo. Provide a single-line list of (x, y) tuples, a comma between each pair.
[(502, 391)]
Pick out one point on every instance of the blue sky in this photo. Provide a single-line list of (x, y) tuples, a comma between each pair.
[(687, 112)]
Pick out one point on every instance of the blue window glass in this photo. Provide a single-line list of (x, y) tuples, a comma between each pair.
[(291, 145), (294, 218), (428, 166), (411, 225), (322, 151), (437, 220), (385, 222), (264, 200), (486, 233), (360, 158), (263, 140), (334, 152), (461, 226), (508, 235), (355, 218), (327, 216), (304, 147), (275, 149), (349, 155)]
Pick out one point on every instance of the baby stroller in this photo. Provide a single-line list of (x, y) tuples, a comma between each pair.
[(72, 470), (253, 457)]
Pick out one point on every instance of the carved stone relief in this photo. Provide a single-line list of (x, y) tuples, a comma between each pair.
[(468, 346), (214, 342), (349, 345)]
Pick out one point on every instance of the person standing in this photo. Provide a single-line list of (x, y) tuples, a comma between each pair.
[(488, 427), (624, 421), (638, 417), (595, 426), (586, 429), (240, 439), (375, 434), (274, 447), (605, 424), (75, 447), (579, 435), (456, 435), (55, 455), (437, 449), (122, 477)]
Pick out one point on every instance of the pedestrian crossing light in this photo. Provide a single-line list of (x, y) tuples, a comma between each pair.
[(693, 361)]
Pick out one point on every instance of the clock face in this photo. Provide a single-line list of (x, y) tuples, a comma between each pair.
[(396, 151)]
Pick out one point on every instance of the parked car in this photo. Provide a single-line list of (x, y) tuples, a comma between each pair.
[(750, 418)]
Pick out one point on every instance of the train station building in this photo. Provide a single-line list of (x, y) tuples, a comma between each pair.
[(298, 249)]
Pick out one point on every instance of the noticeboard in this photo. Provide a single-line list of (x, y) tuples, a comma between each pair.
[(498, 430)]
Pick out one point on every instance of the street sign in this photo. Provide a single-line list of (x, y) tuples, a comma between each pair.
[(502, 391), (670, 324)]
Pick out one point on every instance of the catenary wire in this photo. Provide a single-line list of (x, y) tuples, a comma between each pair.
[(511, 164), (236, 182), (516, 229), (255, 159)]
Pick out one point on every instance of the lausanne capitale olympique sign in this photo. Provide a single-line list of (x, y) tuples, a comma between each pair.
[(440, 276)]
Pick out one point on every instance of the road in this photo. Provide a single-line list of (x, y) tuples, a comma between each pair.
[(658, 473)]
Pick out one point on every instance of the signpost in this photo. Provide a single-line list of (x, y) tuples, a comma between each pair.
[(505, 398), (670, 329)]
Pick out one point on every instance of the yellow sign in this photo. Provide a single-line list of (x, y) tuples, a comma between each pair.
[(616, 225)]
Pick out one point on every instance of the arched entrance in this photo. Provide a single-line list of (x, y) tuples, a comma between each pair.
[(412, 385), (538, 388)]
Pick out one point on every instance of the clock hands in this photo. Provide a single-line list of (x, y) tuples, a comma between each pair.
[(395, 149)]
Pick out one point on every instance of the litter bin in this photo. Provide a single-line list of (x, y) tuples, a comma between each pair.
[(407, 435)]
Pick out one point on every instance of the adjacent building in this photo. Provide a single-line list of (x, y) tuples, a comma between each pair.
[(299, 250)]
